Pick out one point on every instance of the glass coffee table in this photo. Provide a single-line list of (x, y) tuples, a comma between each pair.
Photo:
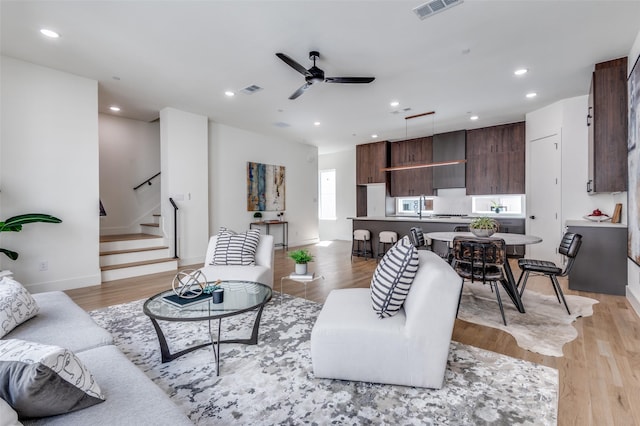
[(239, 297)]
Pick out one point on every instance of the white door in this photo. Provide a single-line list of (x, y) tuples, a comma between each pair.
[(544, 197)]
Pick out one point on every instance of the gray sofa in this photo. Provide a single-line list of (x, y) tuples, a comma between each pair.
[(131, 397)]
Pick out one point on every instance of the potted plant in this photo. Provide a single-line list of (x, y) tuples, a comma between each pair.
[(14, 224), (301, 257), (483, 226)]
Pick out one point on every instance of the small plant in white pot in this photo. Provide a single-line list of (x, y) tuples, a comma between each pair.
[(301, 257), (483, 226)]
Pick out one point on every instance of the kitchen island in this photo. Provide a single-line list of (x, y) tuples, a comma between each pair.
[(432, 223)]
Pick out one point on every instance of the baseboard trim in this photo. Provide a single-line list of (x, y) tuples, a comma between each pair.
[(634, 300), (66, 284)]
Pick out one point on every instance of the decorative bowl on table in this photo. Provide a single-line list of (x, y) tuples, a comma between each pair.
[(483, 227), (482, 233)]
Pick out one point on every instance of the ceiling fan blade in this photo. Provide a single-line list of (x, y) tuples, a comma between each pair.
[(300, 91), (293, 64), (349, 79)]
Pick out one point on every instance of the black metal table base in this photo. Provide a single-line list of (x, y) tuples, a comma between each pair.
[(167, 356)]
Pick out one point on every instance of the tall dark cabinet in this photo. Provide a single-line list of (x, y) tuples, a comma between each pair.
[(607, 124), (411, 182), (496, 160)]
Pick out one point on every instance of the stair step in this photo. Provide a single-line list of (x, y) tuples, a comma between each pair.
[(129, 241), (155, 225), (134, 264), (134, 269), (120, 257), (107, 253)]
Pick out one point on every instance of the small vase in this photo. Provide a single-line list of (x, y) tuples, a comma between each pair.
[(218, 295), (301, 268)]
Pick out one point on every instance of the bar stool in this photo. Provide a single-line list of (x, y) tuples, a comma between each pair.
[(386, 239), (359, 243)]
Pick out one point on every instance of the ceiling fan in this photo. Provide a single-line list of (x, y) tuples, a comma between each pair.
[(316, 75)]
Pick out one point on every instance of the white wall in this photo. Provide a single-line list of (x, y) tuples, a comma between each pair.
[(49, 164), (229, 151), (633, 270), (184, 155), (129, 154), (344, 163)]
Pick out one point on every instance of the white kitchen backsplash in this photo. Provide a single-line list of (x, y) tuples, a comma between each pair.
[(452, 201)]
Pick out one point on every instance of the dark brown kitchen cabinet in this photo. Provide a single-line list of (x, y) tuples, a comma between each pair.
[(411, 182), (496, 160), (607, 124), (371, 158)]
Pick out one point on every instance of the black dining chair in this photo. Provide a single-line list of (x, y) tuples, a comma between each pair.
[(416, 236), (569, 247), (482, 260)]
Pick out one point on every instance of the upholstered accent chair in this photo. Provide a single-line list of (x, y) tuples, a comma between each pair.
[(350, 342), (261, 272)]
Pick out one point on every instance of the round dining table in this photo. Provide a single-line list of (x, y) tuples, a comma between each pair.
[(509, 284)]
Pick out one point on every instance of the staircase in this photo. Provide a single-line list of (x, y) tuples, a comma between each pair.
[(133, 255)]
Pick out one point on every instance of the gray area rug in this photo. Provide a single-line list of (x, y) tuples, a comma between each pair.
[(273, 382), (545, 327)]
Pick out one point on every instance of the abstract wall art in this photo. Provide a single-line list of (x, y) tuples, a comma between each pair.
[(633, 219), (265, 187)]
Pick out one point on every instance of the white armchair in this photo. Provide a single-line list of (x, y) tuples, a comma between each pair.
[(261, 272), (350, 342)]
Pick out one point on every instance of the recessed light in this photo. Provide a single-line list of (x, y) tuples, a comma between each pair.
[(114, 108), (473, 117), (229, 94), (374, 136), (394, 103), (521, 71), (316, 123), (531, 95), (49, 33)]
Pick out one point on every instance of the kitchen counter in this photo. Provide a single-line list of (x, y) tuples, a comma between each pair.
[(589, 223), (402, 224)]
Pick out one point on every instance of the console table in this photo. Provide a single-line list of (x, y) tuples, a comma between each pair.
[(285, 230)]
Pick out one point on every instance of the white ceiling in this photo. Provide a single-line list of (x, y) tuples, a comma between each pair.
[(186, 54)]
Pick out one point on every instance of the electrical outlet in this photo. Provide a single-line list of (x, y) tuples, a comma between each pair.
[(43, 266)]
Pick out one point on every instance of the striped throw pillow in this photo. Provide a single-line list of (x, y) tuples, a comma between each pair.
[(236, 249), (393, 277)]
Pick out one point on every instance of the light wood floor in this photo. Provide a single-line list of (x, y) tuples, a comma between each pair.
[(599, 372)]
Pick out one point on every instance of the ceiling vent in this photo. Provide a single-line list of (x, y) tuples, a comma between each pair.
[(250, 90), (281, 124), (430, 8)]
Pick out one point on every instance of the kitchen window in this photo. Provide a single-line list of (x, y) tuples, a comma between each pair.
[(411, 205), (498, 204)]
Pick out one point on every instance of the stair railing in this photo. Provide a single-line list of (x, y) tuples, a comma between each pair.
[(175, 227), (148, 181)]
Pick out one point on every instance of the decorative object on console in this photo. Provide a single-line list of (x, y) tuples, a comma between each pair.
[(16, 305), (597, 216), (44, 380), (14, 224), (265, 187), (483, 226), (189, 284), (393, 277), (257, 215), (301, 257)]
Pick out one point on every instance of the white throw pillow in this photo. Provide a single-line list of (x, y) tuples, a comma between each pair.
[(16, 305), (40, 380), (393, 277), (236, 249)]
